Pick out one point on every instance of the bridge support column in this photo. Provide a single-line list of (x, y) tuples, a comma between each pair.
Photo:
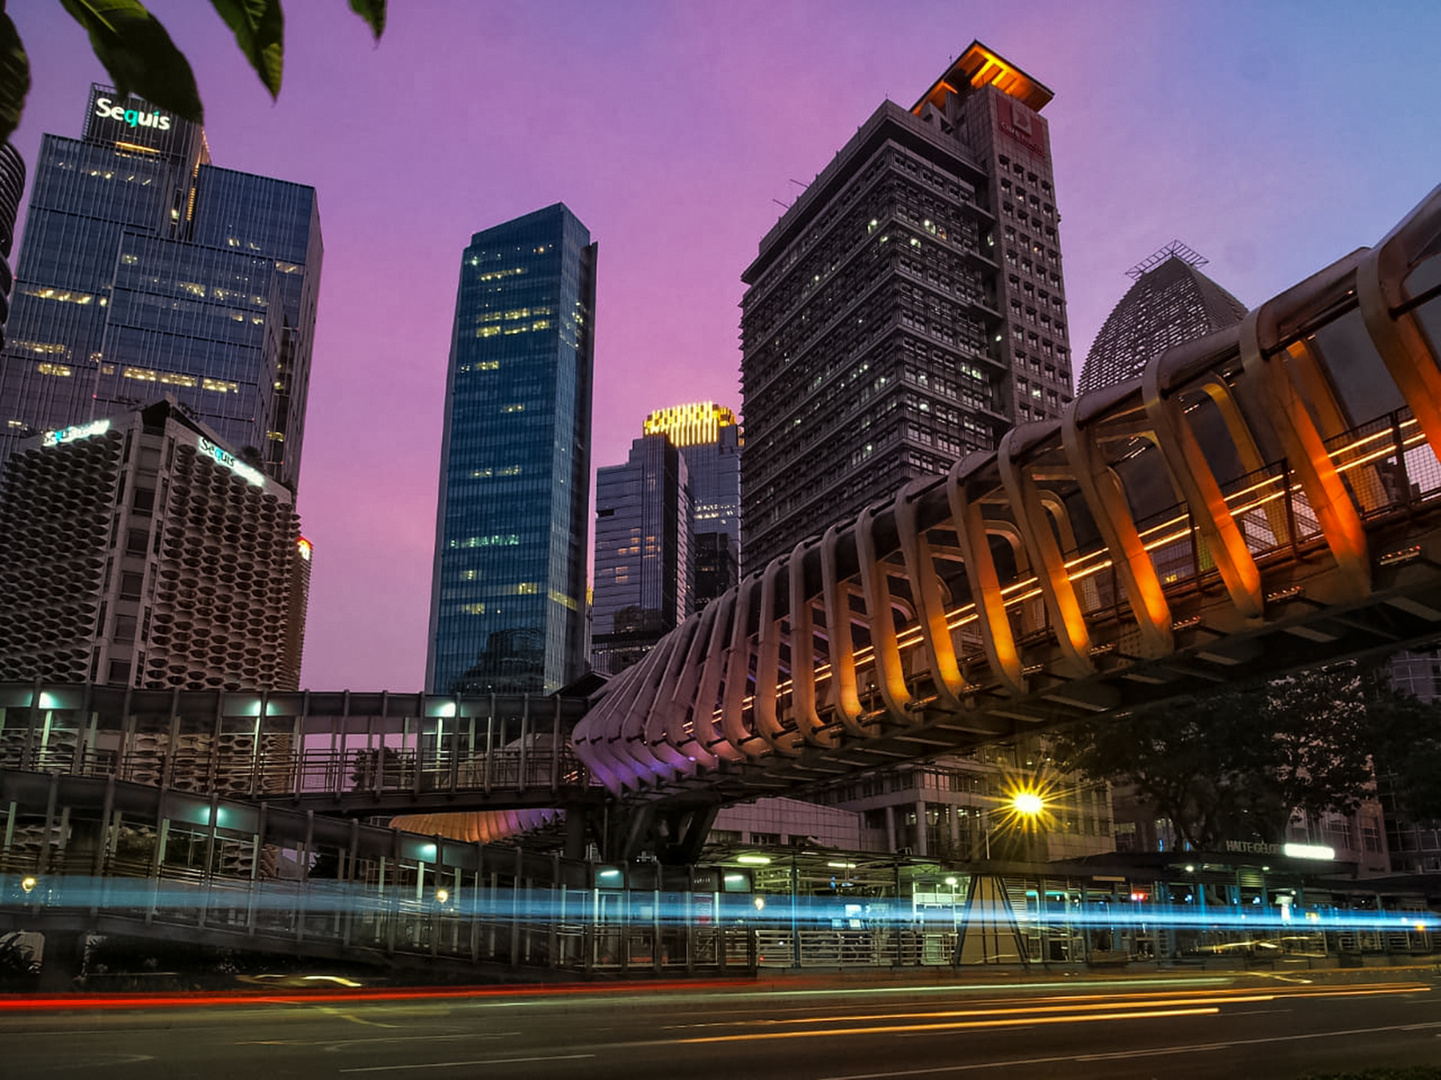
[(62, 960), (575, 829)]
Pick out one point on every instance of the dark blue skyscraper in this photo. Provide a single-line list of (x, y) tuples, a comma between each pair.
[(148, 271), (507, 603), (643, 559)]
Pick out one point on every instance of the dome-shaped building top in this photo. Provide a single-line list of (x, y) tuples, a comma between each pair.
[(1171, 302)]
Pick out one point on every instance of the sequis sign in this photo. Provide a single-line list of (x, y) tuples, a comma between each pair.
[(224, 457), (105, 109)]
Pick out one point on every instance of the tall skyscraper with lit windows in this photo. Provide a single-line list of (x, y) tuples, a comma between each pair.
[(907, 309), (507, 606), (145, 270)]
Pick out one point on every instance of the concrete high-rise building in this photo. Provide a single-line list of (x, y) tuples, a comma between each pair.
[(1171, 302), (710, 439), (140, 550), (146, 270), (12, 186), (907, 309), (507, 605), (643, 559)]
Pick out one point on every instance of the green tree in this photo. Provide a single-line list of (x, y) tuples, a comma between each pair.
[(1408, 755), (1236, 764), (142, 60)]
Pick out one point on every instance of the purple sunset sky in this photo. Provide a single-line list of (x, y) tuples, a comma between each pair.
[(1273, 138)]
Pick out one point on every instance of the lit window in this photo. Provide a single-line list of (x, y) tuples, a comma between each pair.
[(65, 296)]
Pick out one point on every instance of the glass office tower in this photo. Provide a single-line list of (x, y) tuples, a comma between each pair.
[(507, 604), (147, 271), (643, 520), (710, 440)]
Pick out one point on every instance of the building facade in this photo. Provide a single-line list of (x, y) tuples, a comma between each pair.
[(142, 551), (1171, 302), (146, 270), (907, 309), (710, 440), (12, 186), (507, 609), (643, 555)]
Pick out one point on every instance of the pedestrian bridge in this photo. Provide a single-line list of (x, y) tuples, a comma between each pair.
[(338, 754), (1264, 499)]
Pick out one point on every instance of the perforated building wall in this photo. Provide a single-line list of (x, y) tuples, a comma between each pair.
[(140, 551)]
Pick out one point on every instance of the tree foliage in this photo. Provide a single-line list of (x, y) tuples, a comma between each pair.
[(1408, 757), (141, 59), (1236, 764)]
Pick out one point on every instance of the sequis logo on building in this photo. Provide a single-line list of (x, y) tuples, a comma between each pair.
[(134, 117)]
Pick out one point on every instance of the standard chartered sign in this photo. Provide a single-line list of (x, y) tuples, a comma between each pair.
[(134, 117), (231, 462)]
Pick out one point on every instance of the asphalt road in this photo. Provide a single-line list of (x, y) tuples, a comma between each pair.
[(815, 1029)]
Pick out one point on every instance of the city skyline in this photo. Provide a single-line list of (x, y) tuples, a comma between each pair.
[(691, 123)]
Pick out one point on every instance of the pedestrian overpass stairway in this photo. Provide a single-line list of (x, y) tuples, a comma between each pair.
[(1262, 500)]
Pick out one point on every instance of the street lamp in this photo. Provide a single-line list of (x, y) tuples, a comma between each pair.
[(1029, 804), (1024, 807)]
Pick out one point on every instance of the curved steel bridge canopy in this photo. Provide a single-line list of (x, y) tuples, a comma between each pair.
[(1264, 499)]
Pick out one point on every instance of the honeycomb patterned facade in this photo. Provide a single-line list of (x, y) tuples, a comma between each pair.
[(53, 554), (148, 555)]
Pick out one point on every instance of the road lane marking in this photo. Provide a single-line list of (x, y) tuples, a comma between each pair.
[(1189, 1049), (463, 1064), (103, 1063), (343, 1044), (354, 1019)]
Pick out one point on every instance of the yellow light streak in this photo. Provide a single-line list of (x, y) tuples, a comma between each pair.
[(1054, 1004), (893, 1029)]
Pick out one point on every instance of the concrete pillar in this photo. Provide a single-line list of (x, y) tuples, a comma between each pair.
[(62, 960), (921, 827), (575, 832)]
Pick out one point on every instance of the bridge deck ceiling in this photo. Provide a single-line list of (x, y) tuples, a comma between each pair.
[(1262, 500)]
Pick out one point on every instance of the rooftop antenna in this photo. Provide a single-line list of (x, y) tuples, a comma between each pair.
[(1174, 250)]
